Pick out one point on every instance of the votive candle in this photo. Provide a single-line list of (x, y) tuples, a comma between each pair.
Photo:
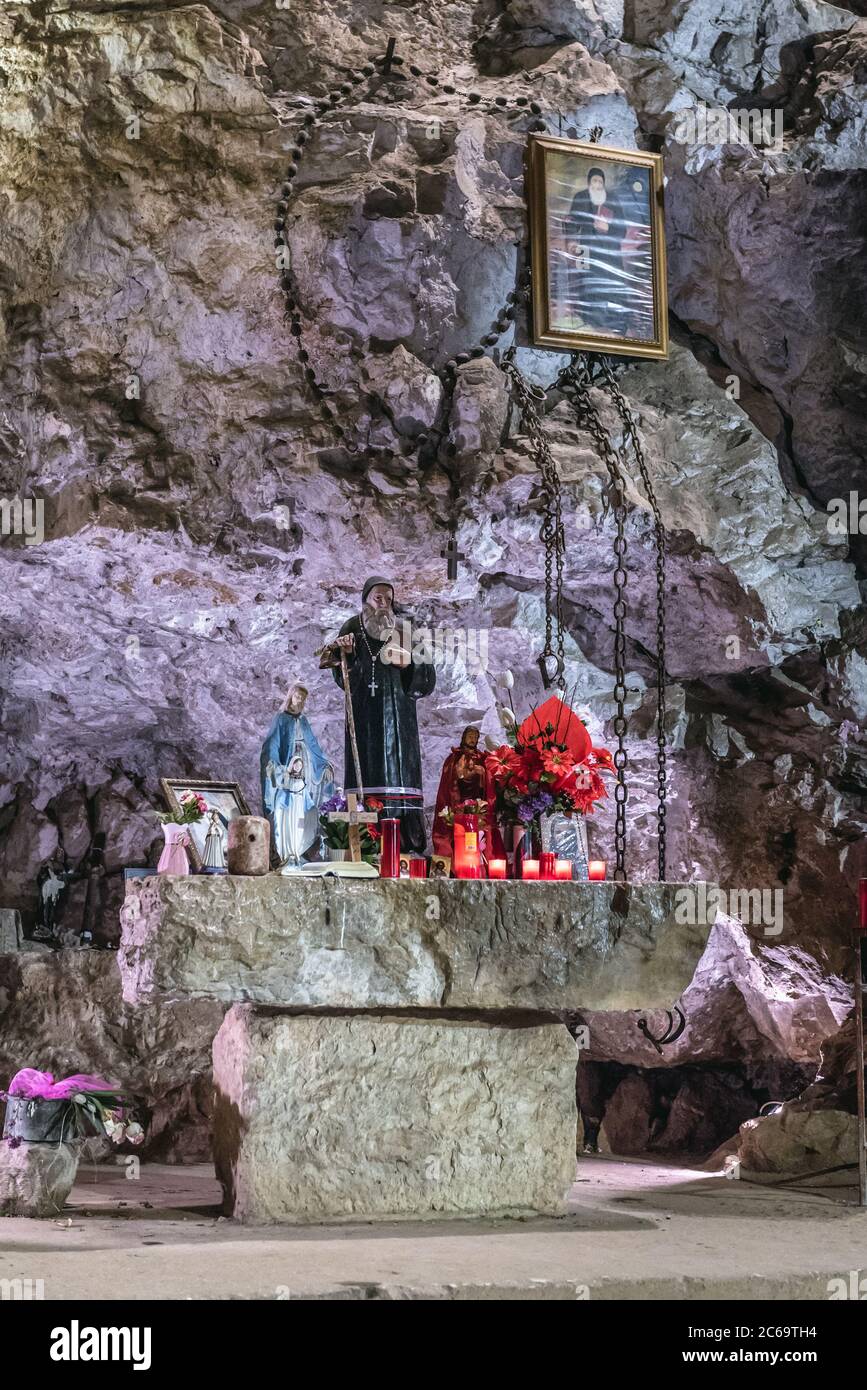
[(472, 859), (596, 870), (496, 868), (530, 868), (418, 867), (563, 869), (547, 860), (389, 862)]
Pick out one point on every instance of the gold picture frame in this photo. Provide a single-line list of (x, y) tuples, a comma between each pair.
[(597, 241), (224, 797)]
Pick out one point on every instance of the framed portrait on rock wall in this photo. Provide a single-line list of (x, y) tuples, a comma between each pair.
[(598, 248), (224, 799)]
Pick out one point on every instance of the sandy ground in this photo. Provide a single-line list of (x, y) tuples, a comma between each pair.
[(634, 1230)]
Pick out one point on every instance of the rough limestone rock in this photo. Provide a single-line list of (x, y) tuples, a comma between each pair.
[(775, 1001), (323, 1118), (378, 943), (36, 1179), (798, 1141), (62, 1012)]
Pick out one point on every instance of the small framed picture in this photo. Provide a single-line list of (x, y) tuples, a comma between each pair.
[(224, 798), (598, 248), (440, 866)]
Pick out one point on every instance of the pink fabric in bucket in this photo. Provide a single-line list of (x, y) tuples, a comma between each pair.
[(40, 1085)]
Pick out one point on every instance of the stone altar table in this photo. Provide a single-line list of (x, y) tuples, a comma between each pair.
[(396, 1047)]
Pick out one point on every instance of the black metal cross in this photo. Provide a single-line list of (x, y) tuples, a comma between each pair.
[(452, 554), (389, 57)]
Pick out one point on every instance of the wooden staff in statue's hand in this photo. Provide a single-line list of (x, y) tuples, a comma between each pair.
[(334, 654)]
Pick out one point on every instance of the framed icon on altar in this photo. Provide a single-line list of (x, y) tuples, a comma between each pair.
[(226, 798), (440, 866), (597, 242)]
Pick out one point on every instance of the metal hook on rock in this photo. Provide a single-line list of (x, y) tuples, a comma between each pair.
[(670, 1033)]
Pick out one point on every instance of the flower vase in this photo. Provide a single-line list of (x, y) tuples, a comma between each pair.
[(566, 838), (173, 859)]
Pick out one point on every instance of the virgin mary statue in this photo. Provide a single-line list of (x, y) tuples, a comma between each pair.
[(296, 779)]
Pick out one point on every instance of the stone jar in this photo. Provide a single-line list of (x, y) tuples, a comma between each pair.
[(249, 845)]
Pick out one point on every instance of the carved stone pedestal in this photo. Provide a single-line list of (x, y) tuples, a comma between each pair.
[(323, 1118)]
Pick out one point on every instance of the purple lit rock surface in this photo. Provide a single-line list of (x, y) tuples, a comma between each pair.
[(204, 532)]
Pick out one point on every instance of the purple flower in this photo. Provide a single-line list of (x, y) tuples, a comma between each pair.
[(534, 806), (334, 803)]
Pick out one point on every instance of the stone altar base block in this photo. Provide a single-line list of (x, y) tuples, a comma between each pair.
[(323, 1117)]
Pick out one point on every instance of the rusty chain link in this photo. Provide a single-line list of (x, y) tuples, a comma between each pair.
[(552, 535), (574, 381), (631, 433)]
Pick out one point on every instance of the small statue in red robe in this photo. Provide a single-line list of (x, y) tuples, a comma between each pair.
[(465, 778)]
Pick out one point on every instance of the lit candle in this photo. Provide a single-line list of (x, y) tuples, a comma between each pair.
[(563, 869), (596, 870), (496, 868), (546, 864), (417, 867), (471, 866), (530, 868), (458, 858)]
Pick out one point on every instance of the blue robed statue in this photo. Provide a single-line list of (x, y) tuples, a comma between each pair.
[(296, 779)]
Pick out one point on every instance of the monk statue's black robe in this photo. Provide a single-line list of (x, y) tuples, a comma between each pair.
[(384, 706)]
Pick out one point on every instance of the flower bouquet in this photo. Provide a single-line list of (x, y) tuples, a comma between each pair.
[(548, 769), (193, 807), (335, 833), (464, 808), (42, 1110)]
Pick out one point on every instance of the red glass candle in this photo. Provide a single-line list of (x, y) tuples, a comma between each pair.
[(862, 899), (389, 862), (547, 860), (596, 870), (459, 854), (563, 869), (418, 867), (496, 868), (530, 868), (472, 860)]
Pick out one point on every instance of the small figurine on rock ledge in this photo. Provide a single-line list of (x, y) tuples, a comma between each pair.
[(466, 790), (296, 779)]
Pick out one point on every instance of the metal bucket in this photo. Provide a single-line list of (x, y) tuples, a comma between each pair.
[(39, 1121)]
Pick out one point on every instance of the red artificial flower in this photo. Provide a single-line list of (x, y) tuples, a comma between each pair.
[(602, 758), (502, 764), (557, 762)]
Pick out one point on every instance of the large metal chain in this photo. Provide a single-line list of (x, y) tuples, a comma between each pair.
[(528, 399), (631, 433), (575, 381)]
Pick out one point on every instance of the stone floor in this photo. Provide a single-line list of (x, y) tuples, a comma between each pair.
[(635, 1230)]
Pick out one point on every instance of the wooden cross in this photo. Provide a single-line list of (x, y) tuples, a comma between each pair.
[(355, 819), (452, 554)]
